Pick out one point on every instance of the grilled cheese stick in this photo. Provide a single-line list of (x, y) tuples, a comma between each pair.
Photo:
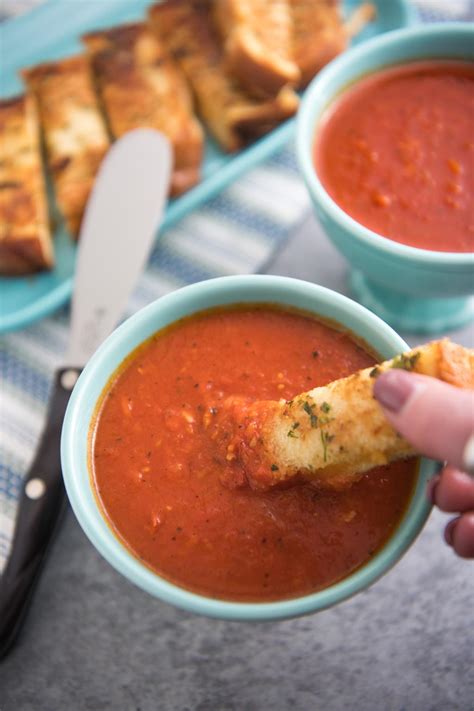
[(25, 240), (232, 116), (257, 36), (74, 131), (359, 18), (320, 34), (332, 434), (141, 86)]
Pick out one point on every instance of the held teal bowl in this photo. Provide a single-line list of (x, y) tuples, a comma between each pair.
[(76, 441), (412, 289)]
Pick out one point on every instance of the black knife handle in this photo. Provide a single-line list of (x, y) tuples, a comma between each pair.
[(42, 501)]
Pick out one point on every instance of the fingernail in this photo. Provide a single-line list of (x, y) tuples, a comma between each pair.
[(468, 456), (431, 489), (393, 388), (449, 531)]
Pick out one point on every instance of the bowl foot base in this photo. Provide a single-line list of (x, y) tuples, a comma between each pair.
[(410, 313)]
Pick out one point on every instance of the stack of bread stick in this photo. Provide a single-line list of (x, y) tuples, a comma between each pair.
[(229, 66)]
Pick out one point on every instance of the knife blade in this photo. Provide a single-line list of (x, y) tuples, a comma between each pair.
[(120, 222)]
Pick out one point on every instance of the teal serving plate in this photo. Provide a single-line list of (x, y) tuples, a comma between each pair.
[(413, 289), (52, 31), (75, 445)]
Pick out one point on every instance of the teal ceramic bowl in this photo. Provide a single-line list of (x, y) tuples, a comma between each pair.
[(412, 289), (228, 290)]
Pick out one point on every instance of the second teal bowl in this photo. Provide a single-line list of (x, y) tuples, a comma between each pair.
[(413, 289)]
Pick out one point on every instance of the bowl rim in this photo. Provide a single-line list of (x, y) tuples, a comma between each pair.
[(306, 123), (90, 516)]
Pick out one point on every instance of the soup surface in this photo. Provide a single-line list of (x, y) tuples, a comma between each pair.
[(169, 492), (396, 152)]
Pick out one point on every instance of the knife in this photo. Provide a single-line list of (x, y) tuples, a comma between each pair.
[(118, 229)]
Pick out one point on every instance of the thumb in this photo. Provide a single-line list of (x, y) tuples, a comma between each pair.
[(436, 418)]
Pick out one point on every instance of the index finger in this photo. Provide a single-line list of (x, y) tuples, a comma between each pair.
[(436, 418)]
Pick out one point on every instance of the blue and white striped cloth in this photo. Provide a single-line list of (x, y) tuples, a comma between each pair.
[(234, 233)]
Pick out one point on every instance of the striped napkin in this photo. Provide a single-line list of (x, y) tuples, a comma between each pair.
[(235, 233)]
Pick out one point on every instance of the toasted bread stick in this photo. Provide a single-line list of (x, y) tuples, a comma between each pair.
[(361, 16), (257, 37), (25, 240), (320, 34), (333, 434), (231, 114), (74, 131), (141, 85)]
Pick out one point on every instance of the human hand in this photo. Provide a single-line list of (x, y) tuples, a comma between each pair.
[(438, 420)]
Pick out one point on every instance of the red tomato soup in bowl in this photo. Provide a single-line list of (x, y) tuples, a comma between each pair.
[(179, 503), (396, 152)]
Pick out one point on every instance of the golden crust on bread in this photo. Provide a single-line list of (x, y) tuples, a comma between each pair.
[(455, 364), (231, 114), (257, 36), (140, 85), (331, 435), (318, 35), (74, 131), (25, 240)]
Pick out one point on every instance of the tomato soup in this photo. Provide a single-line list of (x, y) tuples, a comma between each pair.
[(396, 152), (173, 498)]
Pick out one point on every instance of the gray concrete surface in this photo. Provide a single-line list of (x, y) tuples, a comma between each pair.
[(92, 641)]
